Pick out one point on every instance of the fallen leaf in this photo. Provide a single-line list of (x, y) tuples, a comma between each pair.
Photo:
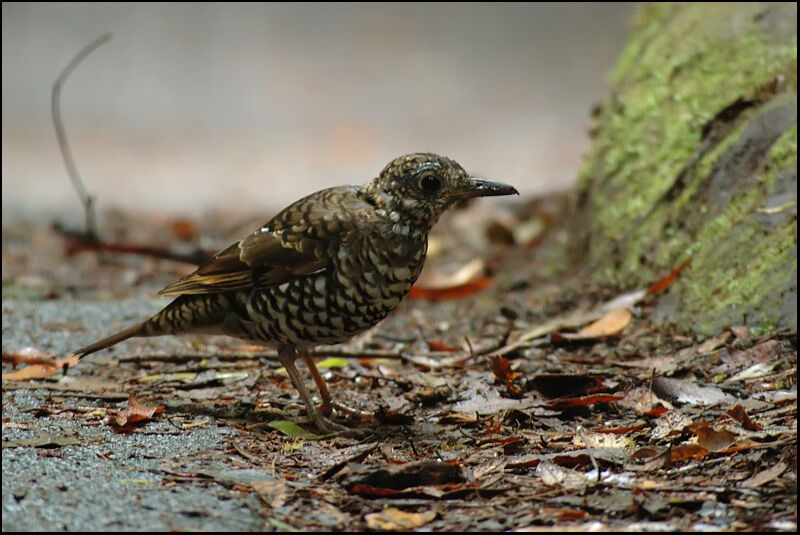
[(439, 346), (387, 416), (739, 331), (681, 391), (501, 367), (40, 371), (662, 284), (569, 459), (765, 476), (184, 377), (756, 370), (563, 514), (467, 273), (41, 442), (459, 418), (273, 493), (738, 413), (610, 324), (687, 451), (428, 395), (713, 343), (673, 422), (409, 475), (236, 477), (568, 403), (647, 453), (602, 440), (656, 411), (711, 439), (447, 294), (572, 320), (552, 474), (293, 430), (621, 430), (557, 385), (531, 231), (136, 414), (489, 401), (184, 229), (393, 519), (20, 425), (333, 362), (28, 355)]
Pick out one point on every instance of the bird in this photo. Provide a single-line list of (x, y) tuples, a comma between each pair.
[(325, 268)]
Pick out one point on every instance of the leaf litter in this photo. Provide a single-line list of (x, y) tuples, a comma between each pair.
[(496, 407)]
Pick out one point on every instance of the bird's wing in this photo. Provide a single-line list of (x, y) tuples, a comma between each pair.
[(303, 238)]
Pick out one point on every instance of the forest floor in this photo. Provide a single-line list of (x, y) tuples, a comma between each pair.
[(504, 394)]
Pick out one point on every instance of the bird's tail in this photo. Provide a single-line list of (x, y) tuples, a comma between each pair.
[(136, 330), (186, 314)]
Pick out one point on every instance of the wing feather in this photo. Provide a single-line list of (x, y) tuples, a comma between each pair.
[(300, 240)]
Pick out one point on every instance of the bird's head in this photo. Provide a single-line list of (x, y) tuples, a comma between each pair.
[(420, 187)]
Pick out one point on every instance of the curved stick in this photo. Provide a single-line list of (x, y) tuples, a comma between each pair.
[(85, 198)]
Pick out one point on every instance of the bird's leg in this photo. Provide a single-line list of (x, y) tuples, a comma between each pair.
[(327, 405), (328, 402), (287, 355)]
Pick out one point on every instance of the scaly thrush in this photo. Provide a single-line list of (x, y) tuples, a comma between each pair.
[(327, 267)]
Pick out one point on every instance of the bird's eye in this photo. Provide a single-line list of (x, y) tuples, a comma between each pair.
[(430, 184)]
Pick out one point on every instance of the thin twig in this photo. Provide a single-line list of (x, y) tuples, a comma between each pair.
[(77, 242), (84, 196), (589, 451)]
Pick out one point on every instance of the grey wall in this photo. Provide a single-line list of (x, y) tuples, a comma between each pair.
[(196, 107)]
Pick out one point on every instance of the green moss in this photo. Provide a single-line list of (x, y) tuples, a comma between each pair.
[(684, 75), (684, 65), (782, 154), (739, 267)]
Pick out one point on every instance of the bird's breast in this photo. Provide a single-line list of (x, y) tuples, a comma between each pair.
[(366, 280)]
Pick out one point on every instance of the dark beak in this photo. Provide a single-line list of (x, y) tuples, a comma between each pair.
[(480, 187)]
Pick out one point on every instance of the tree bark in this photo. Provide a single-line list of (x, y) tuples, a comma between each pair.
[(694, 154)]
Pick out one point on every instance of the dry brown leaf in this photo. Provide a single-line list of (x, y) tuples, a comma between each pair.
[(713, 343), (687, 451), (393, 519), (465, 281), (135, 414), (501, 367), (683, 391), (610, 324), (738, 413), (569, 403), (463, 275), (28, 355), (713, 440), (555, 475), (447, 294), (459, 418), (765, 476), (663, 284), (273, 493), (40, 371)]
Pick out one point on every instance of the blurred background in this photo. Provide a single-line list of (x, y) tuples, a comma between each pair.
[(198, 108)]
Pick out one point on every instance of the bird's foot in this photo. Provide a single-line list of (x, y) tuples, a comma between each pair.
[(329, 405)]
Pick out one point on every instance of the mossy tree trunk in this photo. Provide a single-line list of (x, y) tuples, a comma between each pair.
[(695, 155)]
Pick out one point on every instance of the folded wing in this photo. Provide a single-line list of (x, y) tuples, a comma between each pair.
[(302, 239)]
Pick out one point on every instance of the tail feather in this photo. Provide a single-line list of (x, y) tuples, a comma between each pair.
[(136, 330), (186, 314)]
